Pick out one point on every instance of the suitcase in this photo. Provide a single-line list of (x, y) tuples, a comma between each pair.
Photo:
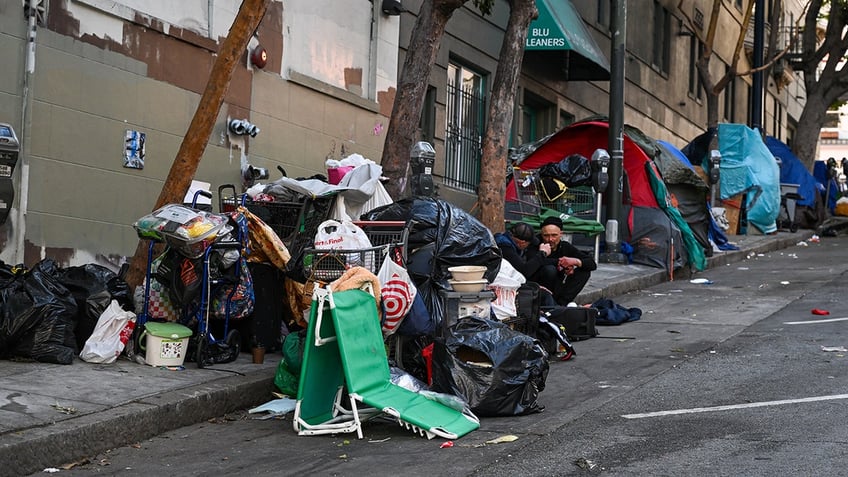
[(579, 322)]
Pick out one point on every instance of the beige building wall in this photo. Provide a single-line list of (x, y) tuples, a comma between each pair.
[(93, 80)]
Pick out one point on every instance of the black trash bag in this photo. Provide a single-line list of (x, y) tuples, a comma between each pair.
[(512, 378), (573, 171), (37, 317), (91, 286), (446, 236)]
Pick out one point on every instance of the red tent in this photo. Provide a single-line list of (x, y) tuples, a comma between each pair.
[(656, 241), (584, 138)]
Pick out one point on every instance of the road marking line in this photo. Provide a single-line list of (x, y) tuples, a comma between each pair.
[(696, 410), (828, 320)]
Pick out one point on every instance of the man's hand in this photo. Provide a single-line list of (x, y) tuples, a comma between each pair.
[(569, 264), (545, 249)]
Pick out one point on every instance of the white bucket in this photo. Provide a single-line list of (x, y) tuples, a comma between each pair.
[(165, 344)]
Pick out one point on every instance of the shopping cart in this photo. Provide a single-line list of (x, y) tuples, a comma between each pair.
[(216, 236), (284, 218), (295, 222), (577, 201), (525, 191), (580, 202)]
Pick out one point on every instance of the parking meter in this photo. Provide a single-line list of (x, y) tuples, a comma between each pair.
[(10, 148), (422, 158), (715, 163), (600, 166)]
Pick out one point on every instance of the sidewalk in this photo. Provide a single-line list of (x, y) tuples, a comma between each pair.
[(53, 413)]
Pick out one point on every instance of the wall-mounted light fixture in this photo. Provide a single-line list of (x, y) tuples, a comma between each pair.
[(392, 7), (259, 57)]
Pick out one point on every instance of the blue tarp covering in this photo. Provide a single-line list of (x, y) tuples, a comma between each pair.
[(748, 167), (792, 171)]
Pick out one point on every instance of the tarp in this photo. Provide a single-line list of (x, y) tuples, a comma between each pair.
[(792, 171), (747, 167), (695, 249), (688, 188)]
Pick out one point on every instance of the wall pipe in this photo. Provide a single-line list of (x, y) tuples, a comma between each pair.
[(26, 100)]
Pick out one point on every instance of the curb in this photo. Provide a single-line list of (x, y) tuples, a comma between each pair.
[(27, 451), (661, 276)]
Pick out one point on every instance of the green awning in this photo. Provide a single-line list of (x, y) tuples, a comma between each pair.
[(561, 30)]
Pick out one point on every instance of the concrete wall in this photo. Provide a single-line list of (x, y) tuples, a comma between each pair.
[(105, 67)]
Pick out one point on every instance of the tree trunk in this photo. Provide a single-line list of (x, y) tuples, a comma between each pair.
[(501, 111), (806, 139), (412, 84), (194, 143)]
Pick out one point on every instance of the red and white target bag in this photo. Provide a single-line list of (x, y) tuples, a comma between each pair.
[(398, 292)]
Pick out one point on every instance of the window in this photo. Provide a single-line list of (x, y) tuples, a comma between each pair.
[(428, 116), (695, 46), (603, 16), (729, 99), (777, 110), (565, 119), (538, 117), (465, 115), (662, 37)]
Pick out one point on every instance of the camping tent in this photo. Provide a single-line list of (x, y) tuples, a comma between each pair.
[(655, 239), (688, 188), (810, 210), (747, 167)]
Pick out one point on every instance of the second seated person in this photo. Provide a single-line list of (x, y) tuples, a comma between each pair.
[(565, 269)]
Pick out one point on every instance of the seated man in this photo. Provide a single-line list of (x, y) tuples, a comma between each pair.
[(520, 247), (515, 244), (566, 269)]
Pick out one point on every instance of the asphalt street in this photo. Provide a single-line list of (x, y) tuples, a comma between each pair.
[(735, 377)]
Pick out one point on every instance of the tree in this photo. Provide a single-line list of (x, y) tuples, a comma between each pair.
[(412, 85), (712, 87), (501, 107), (194, 143), (825, 77)]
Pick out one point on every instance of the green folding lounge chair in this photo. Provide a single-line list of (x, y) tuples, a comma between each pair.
[(358, 343), (318, 409)]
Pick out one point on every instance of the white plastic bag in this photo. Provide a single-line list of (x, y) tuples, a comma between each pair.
[(344, 235), (505, 286), (397, 292), (110, 335)]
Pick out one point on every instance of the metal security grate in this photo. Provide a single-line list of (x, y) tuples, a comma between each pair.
[(463, 145)]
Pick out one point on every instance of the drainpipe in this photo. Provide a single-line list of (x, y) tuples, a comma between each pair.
[(29, 70), (376, 11), (210, 25), (757, 78)]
